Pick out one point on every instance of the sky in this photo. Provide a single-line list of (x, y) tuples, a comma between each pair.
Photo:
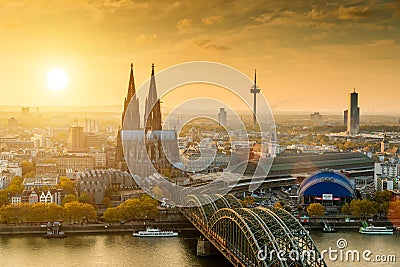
[(309, 55)]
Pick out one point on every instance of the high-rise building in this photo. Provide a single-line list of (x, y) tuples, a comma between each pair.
[(76, 140), (222, 116), (345, 117), (353, 119)]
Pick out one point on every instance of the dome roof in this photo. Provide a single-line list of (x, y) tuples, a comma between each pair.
[(326, 182)]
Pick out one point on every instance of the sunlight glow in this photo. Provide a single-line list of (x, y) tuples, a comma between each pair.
[(57, 79)]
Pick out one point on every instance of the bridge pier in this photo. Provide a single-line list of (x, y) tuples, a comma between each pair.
[(204, 247)]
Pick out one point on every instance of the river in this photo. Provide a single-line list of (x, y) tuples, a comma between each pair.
[(125, 250)]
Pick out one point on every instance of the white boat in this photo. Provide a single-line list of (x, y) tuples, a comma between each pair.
[(375, 230), (155, 232)]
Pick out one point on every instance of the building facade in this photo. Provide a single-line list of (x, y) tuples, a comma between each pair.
[(353, 119)]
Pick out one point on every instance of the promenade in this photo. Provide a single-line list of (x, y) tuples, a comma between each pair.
[(95, 228)]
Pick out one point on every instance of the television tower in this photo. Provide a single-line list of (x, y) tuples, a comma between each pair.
[(255, 90)]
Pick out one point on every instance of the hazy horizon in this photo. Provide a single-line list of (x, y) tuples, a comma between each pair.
[(119, 109)]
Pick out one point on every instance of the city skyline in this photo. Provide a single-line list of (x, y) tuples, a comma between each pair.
[(304, 54)]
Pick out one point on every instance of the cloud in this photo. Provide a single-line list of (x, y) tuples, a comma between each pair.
[(382, 42), (208, 45), (316, 14), (143, 38), (212, 20), (184, 25), (353, 12)]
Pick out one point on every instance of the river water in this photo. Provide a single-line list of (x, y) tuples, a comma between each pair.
[(125, 250)]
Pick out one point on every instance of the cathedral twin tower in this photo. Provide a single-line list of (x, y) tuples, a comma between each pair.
[(156, 141), (152, 114)]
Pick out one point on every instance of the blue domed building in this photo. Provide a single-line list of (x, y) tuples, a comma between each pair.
[(330, 188)]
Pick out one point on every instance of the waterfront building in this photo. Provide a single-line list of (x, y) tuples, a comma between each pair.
[(39, 182), (33, 197), (15, 200), (46, 198), (331, 189), (386, 175)]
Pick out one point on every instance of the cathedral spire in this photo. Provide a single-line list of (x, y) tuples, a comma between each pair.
[(153, 110), (134, 110), (131, 87)]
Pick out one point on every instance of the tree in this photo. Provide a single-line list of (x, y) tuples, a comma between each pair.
[(68, 199), (362, 207), (76, 212), (84, 198), (30, 174), (315, 209), (106, 202), (248, 201), (54, 212), (394, 210), (346, 209), (278, 205), (67, 185), (113, 215), (26, 167), (382, 200)]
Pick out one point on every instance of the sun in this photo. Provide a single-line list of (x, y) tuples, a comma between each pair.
[(57, 79)]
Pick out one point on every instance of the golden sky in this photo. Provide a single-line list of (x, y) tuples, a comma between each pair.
[(308, 54)]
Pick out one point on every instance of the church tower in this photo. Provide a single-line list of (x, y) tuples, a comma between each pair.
[(133, 123), (152, 115)]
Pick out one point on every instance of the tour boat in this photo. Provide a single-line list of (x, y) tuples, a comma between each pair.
[(375, 230), (155, 232)]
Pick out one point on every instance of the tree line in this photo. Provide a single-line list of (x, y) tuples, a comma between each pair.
[(47, 212), (141, 208), (381, 204)]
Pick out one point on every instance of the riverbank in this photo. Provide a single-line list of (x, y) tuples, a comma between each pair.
[(317, 225), (96, 228)]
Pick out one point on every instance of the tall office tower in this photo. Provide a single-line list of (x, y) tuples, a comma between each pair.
[(353, 119), (132, 124), (76, 140), (345, 116), (222, 116)]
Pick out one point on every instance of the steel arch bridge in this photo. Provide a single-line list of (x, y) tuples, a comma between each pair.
[(252, 237)]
